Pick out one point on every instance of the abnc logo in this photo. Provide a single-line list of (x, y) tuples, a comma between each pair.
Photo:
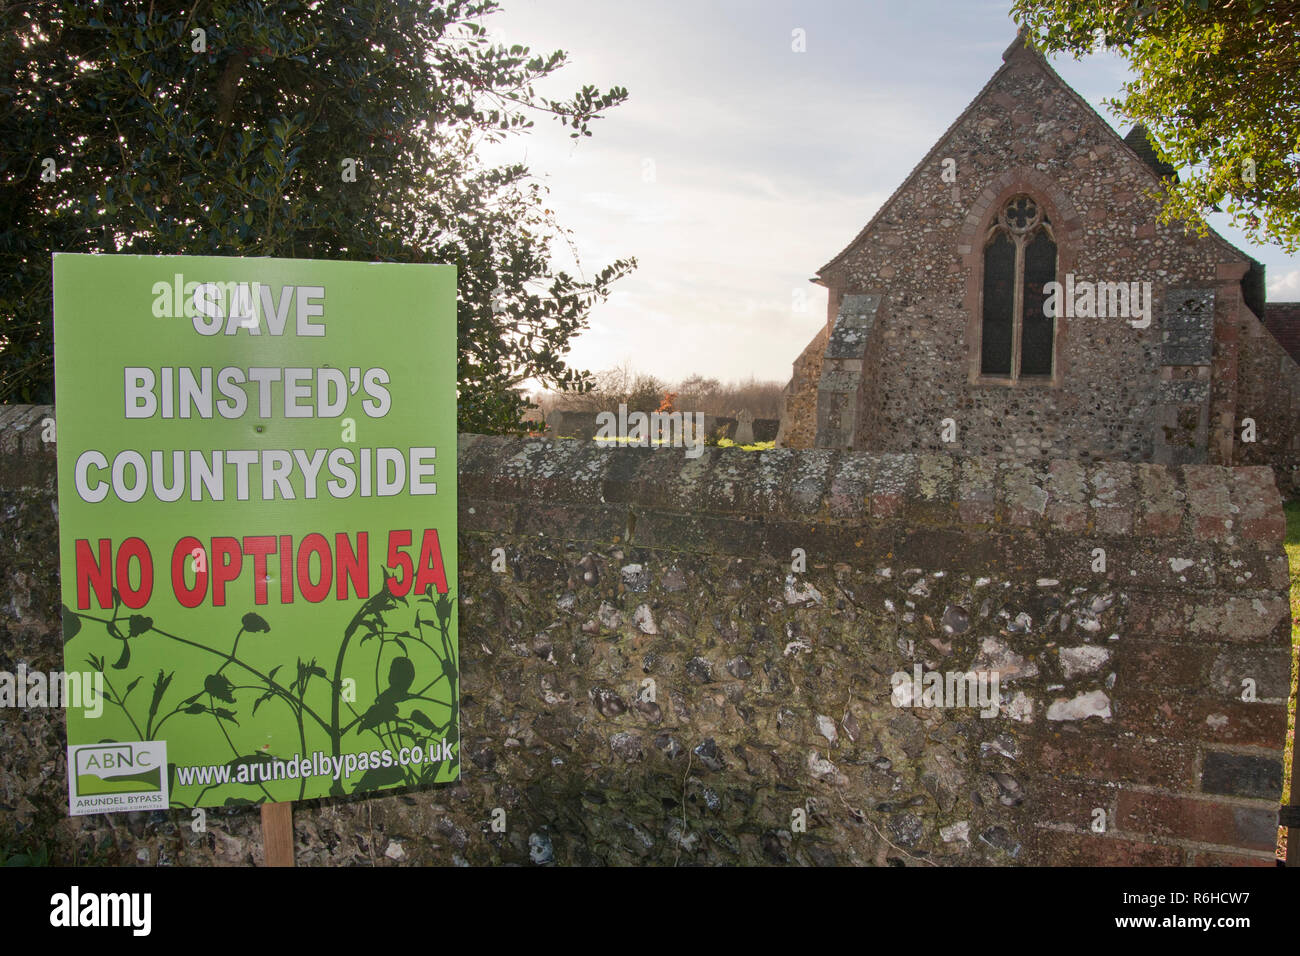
[(103, 778)]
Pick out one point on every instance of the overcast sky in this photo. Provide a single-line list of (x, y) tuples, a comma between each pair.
[(738, 166)]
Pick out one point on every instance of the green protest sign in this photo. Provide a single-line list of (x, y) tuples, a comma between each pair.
[(257, 510)]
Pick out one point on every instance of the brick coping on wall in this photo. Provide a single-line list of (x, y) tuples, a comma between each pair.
[(756, 503), (1237, 507), (1206, 504)]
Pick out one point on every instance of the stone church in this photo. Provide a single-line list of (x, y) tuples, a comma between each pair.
[(945, 332)]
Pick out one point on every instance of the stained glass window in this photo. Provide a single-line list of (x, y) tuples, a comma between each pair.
[(999, 304), (1017, 339)]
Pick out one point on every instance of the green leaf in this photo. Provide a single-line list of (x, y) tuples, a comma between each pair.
[(376, 778), (71, 624), (423, 720), (160, 685), (219, 686)]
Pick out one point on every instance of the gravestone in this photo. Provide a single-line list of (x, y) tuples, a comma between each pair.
[(744, 427)]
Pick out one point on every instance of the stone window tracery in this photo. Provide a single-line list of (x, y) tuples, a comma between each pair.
[(1017, 340)]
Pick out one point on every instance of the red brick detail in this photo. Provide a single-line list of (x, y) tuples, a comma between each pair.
[(1160, 500), (1217, 721), (1072, 803), (1259, 505), (1056, 848), (1206, 821), (1217, 617), (1148, 664), (1209, 499), (1115, 760), (1205, 858)]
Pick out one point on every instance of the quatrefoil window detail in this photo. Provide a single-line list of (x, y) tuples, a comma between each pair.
[(1021, 215)]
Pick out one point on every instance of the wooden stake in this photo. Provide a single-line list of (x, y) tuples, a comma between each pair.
[(277, 833)]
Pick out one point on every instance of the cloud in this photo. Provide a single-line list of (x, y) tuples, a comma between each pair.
[(1286, 288)]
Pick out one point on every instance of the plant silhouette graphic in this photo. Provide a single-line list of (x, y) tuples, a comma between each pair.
[(394, 684)]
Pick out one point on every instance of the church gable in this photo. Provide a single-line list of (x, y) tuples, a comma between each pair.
[(1025, 302), (1026, 125)]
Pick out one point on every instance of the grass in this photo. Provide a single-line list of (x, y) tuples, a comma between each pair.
[(1292, 510)]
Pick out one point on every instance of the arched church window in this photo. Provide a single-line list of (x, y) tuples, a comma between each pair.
[(1017, 339)]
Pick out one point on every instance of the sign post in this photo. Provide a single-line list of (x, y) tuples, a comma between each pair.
[(277, 833), (257, 504)]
